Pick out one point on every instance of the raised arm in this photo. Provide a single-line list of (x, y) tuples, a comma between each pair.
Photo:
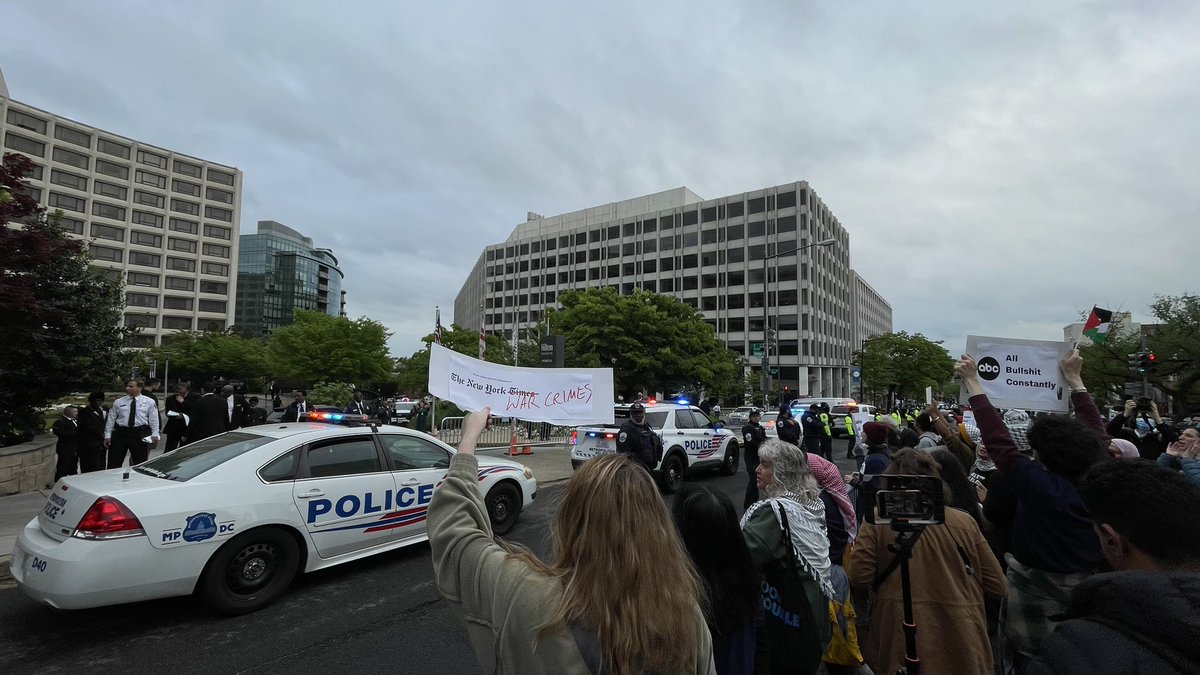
[(999, 442), (1085, 407)]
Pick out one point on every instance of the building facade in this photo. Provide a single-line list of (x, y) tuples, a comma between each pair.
[(734, 259), (165, 222), (280, 271)]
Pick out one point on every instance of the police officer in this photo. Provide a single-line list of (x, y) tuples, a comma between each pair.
[(811, 424), (638, 441), (786, 426), (851, 442), (753, 435), (826, 433)]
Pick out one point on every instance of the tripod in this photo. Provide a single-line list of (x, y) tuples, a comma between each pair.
[(906, 537)]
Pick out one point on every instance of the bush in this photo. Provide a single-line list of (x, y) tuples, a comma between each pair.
[(331, 393)]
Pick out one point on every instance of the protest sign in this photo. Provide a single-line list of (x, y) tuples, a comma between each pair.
[(567, 396), (969, 418), (1019, 373)]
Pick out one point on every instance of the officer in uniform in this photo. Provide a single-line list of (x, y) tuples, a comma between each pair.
[(826, 433), (851, 442), (638, 441), (753, 435), (811, 424)]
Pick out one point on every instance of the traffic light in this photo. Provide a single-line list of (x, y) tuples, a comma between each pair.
[(1135, 362), (1151, 362)]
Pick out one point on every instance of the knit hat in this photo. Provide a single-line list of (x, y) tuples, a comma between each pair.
[(876, 433), (1128, 450), (1017, 422)]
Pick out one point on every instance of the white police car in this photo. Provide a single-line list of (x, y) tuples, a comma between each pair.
[(234, 517)]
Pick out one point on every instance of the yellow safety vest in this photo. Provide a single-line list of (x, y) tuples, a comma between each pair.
[(899, 420), (850, 425), (825, 423)]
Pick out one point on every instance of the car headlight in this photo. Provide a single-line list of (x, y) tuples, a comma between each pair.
[(529, 473)]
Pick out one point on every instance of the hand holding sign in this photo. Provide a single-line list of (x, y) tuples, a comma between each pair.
[(1072, 369), (473, 426), (968, 371)]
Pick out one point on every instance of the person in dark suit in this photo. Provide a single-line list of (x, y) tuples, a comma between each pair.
[(67, 430), (296, 407), (90, 440), (235, 407), (253, 414), (209, 416), (179, 410), (358, 406)]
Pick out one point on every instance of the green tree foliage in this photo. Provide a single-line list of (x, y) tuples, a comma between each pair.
[(321, 347), (331, 393), (904, 365), (61, 317), (652, 342), (199, 357), (412, 372)]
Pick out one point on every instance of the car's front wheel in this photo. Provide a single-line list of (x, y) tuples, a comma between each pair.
[(503, 504), (730, 465), (250, 571), (671, 477)]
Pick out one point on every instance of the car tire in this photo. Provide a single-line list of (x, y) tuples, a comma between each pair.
[(250, 571), (671, 475), (503, 504), (729, 465)]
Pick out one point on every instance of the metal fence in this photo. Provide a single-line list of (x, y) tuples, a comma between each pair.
[(501, 431)]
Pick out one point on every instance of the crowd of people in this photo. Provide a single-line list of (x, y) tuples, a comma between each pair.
[(1064, 548)]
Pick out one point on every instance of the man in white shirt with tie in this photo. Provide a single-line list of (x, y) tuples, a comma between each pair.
[(131, 419)]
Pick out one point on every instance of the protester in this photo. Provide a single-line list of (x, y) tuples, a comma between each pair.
[(638, 441), (753, 435), (841, 527), (1054, 546), (1173, 457), (1144, 616), (953, 569), (927, 438), (787, 540), (90, 439), (879, 455), (708, 526), (67, 447), (1141, 419), (619, 596), (963, 495)]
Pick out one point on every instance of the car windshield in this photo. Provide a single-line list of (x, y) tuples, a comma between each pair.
[(194, 459), (655, 418), (403, 407)]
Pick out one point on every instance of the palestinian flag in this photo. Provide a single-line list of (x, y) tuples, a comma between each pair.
[(1098, 324)]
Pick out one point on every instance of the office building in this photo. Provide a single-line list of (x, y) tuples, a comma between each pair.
[(280, 271), (165, 222), (734, 259)]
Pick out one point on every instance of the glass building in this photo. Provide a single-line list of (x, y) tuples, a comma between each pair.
[(279, 271)]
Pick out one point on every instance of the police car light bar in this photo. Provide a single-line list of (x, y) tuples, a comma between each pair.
[(683, 401), (608, 436), (335, 417)]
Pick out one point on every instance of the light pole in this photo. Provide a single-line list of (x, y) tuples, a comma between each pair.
[(766, 352)]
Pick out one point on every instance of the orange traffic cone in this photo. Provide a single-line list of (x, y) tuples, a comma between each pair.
[(526, 449), (512, 448)]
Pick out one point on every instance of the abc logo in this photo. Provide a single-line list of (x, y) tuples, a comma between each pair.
[(989, 368)]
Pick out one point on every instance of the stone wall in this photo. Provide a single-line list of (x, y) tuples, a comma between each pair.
[(27, 466)]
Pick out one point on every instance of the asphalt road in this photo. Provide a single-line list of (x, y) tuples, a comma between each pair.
[(373, 615)]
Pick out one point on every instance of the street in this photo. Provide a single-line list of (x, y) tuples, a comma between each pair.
[(383, 613)]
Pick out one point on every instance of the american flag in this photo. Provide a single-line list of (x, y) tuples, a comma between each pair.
[(437, 325), (482, 344)]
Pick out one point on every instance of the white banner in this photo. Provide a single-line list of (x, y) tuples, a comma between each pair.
[(1019, 373), (567, 396)]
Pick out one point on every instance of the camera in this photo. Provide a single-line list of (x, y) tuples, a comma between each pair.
[(1143, 404), (909, 500)]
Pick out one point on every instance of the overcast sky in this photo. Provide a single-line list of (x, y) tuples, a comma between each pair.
[(1000, 167)]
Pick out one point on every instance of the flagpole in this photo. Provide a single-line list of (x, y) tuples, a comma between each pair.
[(437, 337)]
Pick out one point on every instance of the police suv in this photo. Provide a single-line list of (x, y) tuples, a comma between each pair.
[(690, 441), (234, 517)]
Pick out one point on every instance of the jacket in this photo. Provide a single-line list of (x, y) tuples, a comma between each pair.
[(66, 429), (753, 436), (1127, 622), (502, 598), (641, 443), (91, 428), (211, 417), (175, 425), (292, 412)]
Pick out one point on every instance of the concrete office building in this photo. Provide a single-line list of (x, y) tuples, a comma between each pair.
[(166, 222), (727, 257), (280, 271)]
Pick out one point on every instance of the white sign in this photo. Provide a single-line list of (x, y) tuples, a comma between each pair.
[(928, 395), (1019, 373), (567, 396), (969, 418)]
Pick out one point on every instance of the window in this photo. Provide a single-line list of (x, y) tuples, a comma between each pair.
[(216, 269), (185, 245), (188, 169), (217, 213), (108, 232), (140, 320), (151, 159), (68, 179), (708, 215), (708, 237), (212, 325), (181, 265), (691, 239), (216, 250), (666, 285), (177, 322), (736, 209), (179, 284), (106, 253), (72, 136), (185, 187), (409, 453), (108, 211), (188, 226), (150, 219), (26, 121), (68, 203), (145, 239), (786, 199), (113, 148), (111, 190), (757, 205), (71, 157), (786, 224), (226, 197), (25, 145), (219, 287), (36, 174), (217, 306), (690, 217), (141, 300), (149, 199), (690, 261), (342, 458), (182, 206), (142, 279), (145, 259), (220, 177), (111, 169), (71, 225), (149, 178)]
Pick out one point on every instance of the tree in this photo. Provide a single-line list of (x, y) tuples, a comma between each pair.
[(903, 365), (652, 342), (61, 317), (412, 372), (319, 347), (200, 357)]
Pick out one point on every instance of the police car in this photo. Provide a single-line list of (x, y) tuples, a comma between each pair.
[(234, 517), (690, 441)]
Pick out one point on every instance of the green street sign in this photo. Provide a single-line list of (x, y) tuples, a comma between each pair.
[(756, 349), (774, 372)]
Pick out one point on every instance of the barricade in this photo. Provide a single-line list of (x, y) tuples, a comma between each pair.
[(500, 434)]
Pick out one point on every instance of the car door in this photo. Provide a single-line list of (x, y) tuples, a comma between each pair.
[(693, 436), (344, 493), (418, 467)]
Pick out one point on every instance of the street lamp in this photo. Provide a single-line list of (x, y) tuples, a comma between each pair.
[(766, 359)]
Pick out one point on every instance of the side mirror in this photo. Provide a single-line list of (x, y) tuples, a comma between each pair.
[(716, 426)]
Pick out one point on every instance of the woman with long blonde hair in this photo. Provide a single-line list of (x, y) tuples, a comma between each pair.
[(619, 597)]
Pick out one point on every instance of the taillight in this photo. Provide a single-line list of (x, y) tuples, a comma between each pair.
[(575, 438), (108, 519)]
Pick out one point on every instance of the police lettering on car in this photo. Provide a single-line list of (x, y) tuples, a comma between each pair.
[(350, 505)]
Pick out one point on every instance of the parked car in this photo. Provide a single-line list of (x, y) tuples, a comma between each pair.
[(738, 417), (839, 412)]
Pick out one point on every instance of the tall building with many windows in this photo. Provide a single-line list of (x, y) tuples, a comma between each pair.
[(166, 222), (280, 271), (740, 260)]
